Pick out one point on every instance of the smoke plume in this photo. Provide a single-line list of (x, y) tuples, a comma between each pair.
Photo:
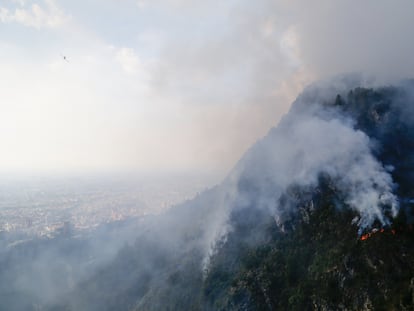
[(313, 140)]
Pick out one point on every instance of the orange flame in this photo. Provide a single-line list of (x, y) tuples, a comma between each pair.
[(374, 231)]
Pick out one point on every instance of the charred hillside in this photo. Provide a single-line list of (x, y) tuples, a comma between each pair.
[(316, 216)]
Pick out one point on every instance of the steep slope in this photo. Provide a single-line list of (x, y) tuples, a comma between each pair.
[(314, 259), (284, 230), (320, 264)]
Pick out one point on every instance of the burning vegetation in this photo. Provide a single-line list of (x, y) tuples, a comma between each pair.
[(376, 231)]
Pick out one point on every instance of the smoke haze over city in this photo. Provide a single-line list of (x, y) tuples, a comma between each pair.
[(206, 155)]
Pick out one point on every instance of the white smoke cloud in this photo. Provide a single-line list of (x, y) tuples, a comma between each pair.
[(309, 142), (306, 145)]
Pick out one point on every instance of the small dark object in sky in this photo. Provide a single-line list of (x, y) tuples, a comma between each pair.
[(65, 58)]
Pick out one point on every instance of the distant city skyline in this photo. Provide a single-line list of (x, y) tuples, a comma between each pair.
[(41, 206)]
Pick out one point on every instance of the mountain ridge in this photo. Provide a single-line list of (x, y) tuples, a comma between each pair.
[(283, 230)]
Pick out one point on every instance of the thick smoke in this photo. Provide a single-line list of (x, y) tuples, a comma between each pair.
[(318, 143), (305, 146), (311, 141)]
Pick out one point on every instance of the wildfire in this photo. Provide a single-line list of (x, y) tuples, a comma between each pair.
[(374, 231)]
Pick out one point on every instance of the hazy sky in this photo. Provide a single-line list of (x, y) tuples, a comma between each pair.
[(175, 84)]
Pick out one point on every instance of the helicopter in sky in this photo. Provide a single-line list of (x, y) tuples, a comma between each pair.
[(64, 58)]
